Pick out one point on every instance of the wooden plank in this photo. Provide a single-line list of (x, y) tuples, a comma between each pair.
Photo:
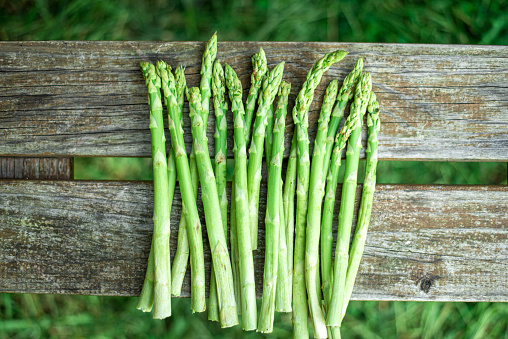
[(36, 168), (425, 242), (439, 102)]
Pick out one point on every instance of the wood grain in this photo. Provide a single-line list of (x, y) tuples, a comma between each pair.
[(36, 168), (439, 102), (424, 243)]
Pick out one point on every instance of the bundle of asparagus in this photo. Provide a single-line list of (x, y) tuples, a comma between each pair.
[(291, 279)]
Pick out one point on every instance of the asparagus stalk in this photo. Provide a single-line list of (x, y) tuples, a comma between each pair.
[(207, 71), (182, 250), (283, 287), (181, 257), (369, 186), (259, 70), (268, 92), (248, 287), (300, 306), (184, 179), (283, 293), (316, 183), (220, 256), (300, 116), (288, 200), (161, 261), (332, 171), (326, 222), (345, 94), (145, 300), (272, 220), (220, 161), (268, 136), (221, 130), (235, 256), (256, 79), (351, 129)]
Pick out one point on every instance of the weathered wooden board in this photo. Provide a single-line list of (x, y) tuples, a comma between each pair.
[(36, 168), (439, 102), (425, 242)]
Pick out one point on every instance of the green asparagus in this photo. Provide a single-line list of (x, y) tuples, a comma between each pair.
[(259, 70), (300, 117), (326, 222), (268, 136), (288, 200), (235, 256), (283, 289), (345, 94), (207, 72), (331, 170), (189, 199), (220, 136), (268, 92), (369, 186), (180, 261), (317, 181), (145, 300), (161, 217), (220, 256), (272, 220), (248, 287), (352, 129), (182, 249)]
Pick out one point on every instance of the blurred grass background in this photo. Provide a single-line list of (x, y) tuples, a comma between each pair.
[(425, 21)]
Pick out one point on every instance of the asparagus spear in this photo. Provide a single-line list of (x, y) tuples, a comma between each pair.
[(259, 70), (268, 136), (331, 170), (300, 117), (326, 230), (220, 136), (300, 306), (326, 222), (220, 256), (345, 94), (288, 200), (351, 129), (207, 75), (248, 287), (206, 71), (161, 261), (283, 289), (369, 186), (269, 89), (235, 256), (272, 220), (256, 79), (182, 250), (189, 199), (316, 183), (145, 300), (180, 261)]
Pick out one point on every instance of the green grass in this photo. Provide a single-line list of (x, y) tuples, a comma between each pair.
[(443, 21), (389, 172), (58, 316), (426, 21)]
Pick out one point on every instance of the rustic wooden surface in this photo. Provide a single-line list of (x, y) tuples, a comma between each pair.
[(439, 102), (36, 168), (424, 243)]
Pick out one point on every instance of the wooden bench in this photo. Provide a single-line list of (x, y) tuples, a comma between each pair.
[(60, 100)]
